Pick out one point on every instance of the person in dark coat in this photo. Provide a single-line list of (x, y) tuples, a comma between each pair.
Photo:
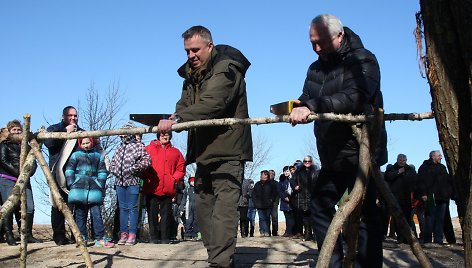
[(274, 214), (402, 180), (285, 192), (9, 173), (243, 207), (215, 87), (344, 80), (56, 149), (251, 210), (187, 207), (302, 184), (435, 190), (263, 196)]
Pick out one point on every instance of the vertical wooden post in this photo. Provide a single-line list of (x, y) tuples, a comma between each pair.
[(23, 154)]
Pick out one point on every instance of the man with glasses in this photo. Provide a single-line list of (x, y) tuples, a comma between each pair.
[(344, 80), (303, 183), (59, 152), (214, 87), (402, 180)]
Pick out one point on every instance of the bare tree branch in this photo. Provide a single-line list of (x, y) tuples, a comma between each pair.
[(261, 155)]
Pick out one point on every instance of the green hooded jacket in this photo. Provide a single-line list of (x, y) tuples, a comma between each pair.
[(222, 94)]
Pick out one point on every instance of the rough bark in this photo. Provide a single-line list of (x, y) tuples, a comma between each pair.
[(354, 200), (23, 154), (448, 64), (61, 205)]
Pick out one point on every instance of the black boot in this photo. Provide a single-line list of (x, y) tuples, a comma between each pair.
[(29, 230), (8, 227), (308, 232), (251, 230)]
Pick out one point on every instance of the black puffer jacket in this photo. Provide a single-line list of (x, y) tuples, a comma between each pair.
[(305, 178), (434, 179), (402, 185), (10, 159), (349, 82)]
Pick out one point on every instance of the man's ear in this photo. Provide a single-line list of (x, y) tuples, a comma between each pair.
[(210, 46)]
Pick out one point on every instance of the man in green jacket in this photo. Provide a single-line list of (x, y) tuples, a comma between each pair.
[(214, 87)]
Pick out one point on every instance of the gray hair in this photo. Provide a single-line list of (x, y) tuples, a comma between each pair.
[(331, 22), (401, 156), (199, 30), (433, 152)]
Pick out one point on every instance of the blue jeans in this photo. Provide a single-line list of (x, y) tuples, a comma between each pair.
[(264, 220), (80, 215), (128, 200), (7, 185), (434, 222), (251, 214)]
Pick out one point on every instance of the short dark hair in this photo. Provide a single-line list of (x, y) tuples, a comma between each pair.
[(203, 32), (66, 109), (286, 168), (265, 172)]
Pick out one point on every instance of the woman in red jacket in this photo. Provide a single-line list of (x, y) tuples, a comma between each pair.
[(167, 169)]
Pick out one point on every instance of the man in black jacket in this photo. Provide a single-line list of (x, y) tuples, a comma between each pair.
[(402, 179), (69, 123), (435, 190), (344, 80), (263, 196)]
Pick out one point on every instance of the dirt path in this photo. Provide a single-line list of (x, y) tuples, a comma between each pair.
[(250, 252)]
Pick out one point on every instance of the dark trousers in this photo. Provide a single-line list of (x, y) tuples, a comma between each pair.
[(298, 215), (289, 222), (330, 187), (218, 188), (81, 215), (191, 226), (159, 205), (448, 228), (243, 221), (274, 218), (434, 217), (264, 221), (58, 222), (405, 206)]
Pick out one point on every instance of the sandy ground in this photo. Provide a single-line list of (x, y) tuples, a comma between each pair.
[(250, 252)]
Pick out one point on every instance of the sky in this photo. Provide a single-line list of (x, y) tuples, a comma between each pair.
[(51, 51)]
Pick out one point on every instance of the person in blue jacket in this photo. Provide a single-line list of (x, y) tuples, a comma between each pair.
[(86, 175)]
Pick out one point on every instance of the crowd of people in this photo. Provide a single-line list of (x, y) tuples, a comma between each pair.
[(345, 79)]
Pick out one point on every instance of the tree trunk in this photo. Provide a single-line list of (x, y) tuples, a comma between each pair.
[(448, 39)]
